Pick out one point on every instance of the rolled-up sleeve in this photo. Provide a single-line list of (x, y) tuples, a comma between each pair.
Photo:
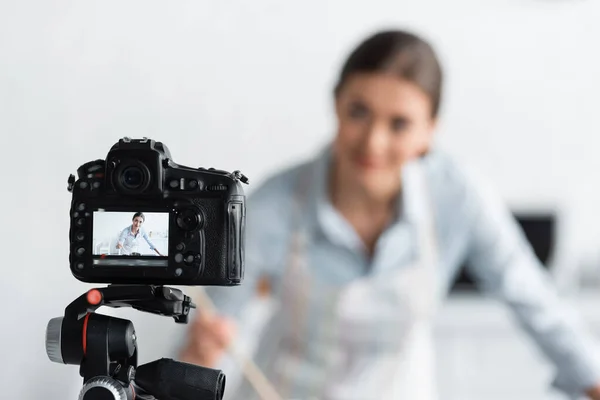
[(502, 261)]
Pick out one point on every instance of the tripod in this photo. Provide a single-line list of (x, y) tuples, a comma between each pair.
[(105, 348)]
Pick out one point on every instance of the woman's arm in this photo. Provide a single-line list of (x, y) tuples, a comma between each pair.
[(150, 244), (122, 238), (158, 252), (209, 335), (593, 393), (502, 261)]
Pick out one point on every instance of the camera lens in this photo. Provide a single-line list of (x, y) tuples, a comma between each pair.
[(133, 177)]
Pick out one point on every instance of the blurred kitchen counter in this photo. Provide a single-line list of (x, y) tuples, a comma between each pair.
[(473, 308), (482, 353)]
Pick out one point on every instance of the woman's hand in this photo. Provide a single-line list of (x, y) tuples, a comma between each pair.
[(119, 246), (594, 393), (209, 336)]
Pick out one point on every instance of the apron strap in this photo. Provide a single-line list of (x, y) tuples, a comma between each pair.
[(427, 221)]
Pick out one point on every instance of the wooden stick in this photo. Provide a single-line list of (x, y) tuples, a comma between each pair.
[(250, 370)]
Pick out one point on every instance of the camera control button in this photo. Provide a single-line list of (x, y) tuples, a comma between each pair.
[(83, 185), (96, 184), (80, 222), (217, 188), (81, 206), (178, 257), (189, 259), (189, 220), (174, 183), (80, 236), (80, 251), (180, 247), (190, 236)]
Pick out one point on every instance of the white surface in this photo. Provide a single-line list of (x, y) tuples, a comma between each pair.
[(247, 85), (480, 351), (483, 354)]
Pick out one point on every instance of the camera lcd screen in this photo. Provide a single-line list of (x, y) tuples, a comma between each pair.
[(130, 238)]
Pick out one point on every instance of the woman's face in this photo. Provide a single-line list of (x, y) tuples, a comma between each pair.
[(137, 222), (383, 122)]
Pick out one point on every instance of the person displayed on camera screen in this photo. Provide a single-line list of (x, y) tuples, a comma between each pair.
[(128, 239)]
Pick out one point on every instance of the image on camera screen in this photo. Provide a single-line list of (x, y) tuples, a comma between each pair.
[(119, 235)]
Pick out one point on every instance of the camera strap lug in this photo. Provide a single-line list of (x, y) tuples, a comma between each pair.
[(238, 176)]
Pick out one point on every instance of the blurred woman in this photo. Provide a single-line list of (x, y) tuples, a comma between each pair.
[(362, 243)]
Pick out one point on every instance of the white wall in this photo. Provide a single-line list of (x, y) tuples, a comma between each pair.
[(246, 85)]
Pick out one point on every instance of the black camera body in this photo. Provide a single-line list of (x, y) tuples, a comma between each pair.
[(139, 218)]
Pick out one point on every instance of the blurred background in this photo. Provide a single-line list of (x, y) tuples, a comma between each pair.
[(248, 85)]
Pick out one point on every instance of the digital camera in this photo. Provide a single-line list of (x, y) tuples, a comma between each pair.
[(137, 217)]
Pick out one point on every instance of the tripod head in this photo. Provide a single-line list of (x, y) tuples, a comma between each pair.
[(105, 348)]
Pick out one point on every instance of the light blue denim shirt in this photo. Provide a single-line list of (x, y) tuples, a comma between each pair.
[(473, 226)]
